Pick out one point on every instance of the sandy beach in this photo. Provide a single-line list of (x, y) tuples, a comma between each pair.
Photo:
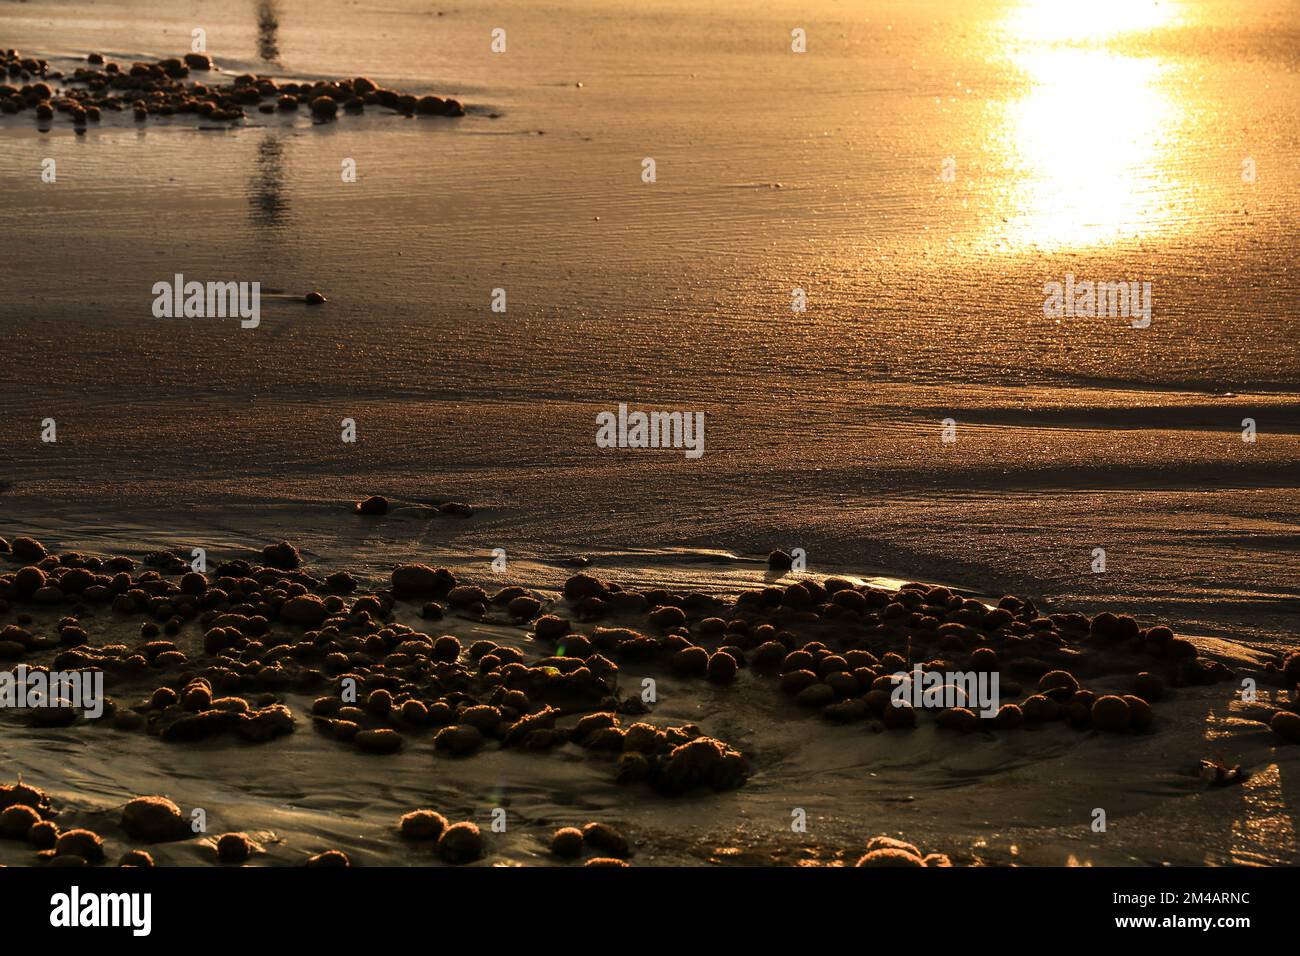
[(921, 173)]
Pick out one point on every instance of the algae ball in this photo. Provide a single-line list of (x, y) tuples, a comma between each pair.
[(1058, 679), (82, 843), (422, 825), (461, 843), (153, 819), (234, 847), (17, 821), (43, 835), (891, 857), (1150, 687), (604, 838), (1009, 716), (567, 842), (883, 842), (1287, 726), (329, 858), (898, 717), (1139, 713), (458, 739), (691, 661), (666, 616), (722, 668), (1110, 713)]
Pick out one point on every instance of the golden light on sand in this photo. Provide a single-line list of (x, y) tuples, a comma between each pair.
[(1089, 142), (1265, 830), (1056, 21)]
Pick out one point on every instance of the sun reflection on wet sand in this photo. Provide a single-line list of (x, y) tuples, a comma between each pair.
[(1084, 21), (1263, 834), (1266, 835), (1090, 146)]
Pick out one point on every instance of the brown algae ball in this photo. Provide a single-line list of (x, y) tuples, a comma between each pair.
[(153, 819), (567, 842), (422, 825), (461, 843), (605, 839), (234, 847), (82, 843), (1110, 713), (17, 821)]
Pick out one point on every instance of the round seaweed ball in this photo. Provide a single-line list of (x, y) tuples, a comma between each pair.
[(422, 825), (461, 843), (567, 842), (1110, 713)]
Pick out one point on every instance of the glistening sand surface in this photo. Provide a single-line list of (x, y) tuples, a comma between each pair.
[(1113, 154)]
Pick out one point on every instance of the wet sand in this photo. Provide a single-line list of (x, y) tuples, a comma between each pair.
[(925, 303), (994, 796)]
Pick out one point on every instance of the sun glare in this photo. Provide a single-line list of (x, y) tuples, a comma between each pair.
[(1087, 144), (1082, 21)]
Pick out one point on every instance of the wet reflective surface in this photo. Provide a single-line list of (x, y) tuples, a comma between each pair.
[(1107, 140)]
